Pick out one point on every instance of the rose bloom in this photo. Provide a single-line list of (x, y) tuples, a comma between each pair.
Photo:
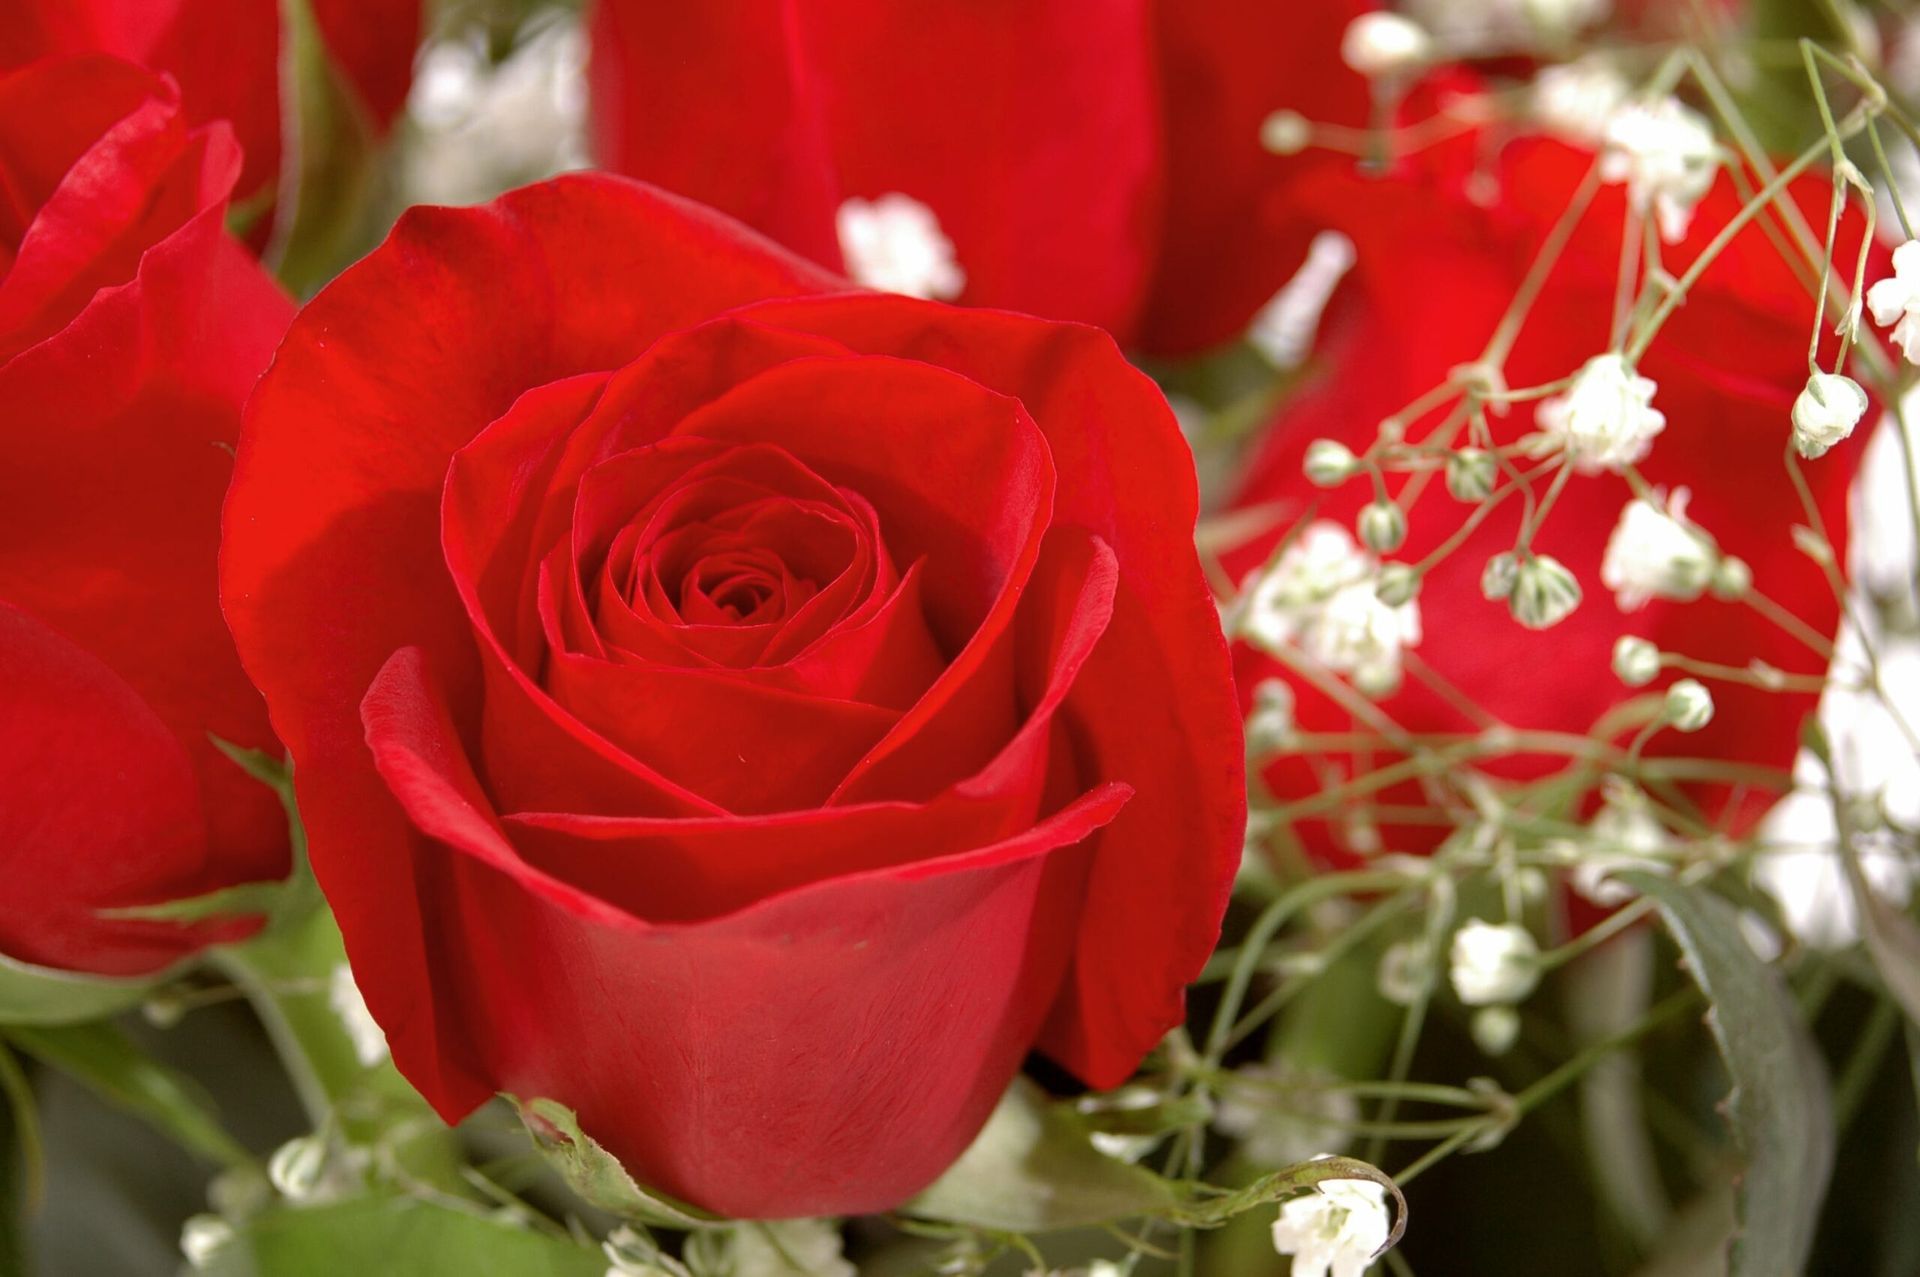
[(1436, 271), (1093, 160), (225, 55), (751, 713), (131, 329)]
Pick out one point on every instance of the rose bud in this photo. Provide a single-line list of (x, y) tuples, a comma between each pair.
[(131, 329)]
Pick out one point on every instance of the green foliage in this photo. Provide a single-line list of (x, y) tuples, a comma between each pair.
[(397, 1237), (596, 1175), (1779, 1107)]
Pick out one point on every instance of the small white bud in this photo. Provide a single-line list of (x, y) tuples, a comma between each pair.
[(1544, 593), (1732, 578), (1655, 552), (1496, 580), (1493, 962), (1606, 419), (1384, 44), (1382, 526), (1470, 474), (1286, 133), (1405, 975), (1329, 463), (1826, 412), (1495, 1029), (1689, 706), (1636, 662), (296, 1166), (1270, 725), (202, 1238), (1399, 584)]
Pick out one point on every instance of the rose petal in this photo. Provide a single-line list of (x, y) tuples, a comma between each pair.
[(662, 1036)]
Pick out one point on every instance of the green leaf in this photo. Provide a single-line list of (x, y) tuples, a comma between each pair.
[(595, 1174), (397, 1237), (287, 974), (104, 1060), (246, 899), (43, 995), (1033, 1168), (1780, 1109), (329, 174)]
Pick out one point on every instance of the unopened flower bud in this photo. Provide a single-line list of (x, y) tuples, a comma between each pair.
[(1382, 526), (1470, 474), (1383, 44), (1398, 584), (1544, 593), (1493, 962), (1286, 133), (1826, 412), (202, 1238), (296, 1166), (1689, 706), (1495, 1029), (1404, 975), (1636, 662), (1732, 578), (1329, 463), (1496, 581)]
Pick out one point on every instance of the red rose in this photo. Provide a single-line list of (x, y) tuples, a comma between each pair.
[(1093, 160), (131, 328), (750, 713), (226, 56), (1436, 272)]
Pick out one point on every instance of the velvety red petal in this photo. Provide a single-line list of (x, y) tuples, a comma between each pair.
[(332, 559), (117, 431), (1235, 230), (1153, 707), (1029, 127), (135, 182), (102, 811), (225, 55), (662, 1036)]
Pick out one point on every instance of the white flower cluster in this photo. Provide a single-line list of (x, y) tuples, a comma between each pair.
[(1666, 155), (1335, 1230), (1655, 552), (1606, 419), (894, 243), (1321, 598)]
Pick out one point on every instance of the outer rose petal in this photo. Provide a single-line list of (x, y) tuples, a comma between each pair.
[(134, 328), (1235, 227), (226, 55), (1147, 707), (1028, 127), (664, 1036), (116, 430), (88, 768), (332, 559)]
